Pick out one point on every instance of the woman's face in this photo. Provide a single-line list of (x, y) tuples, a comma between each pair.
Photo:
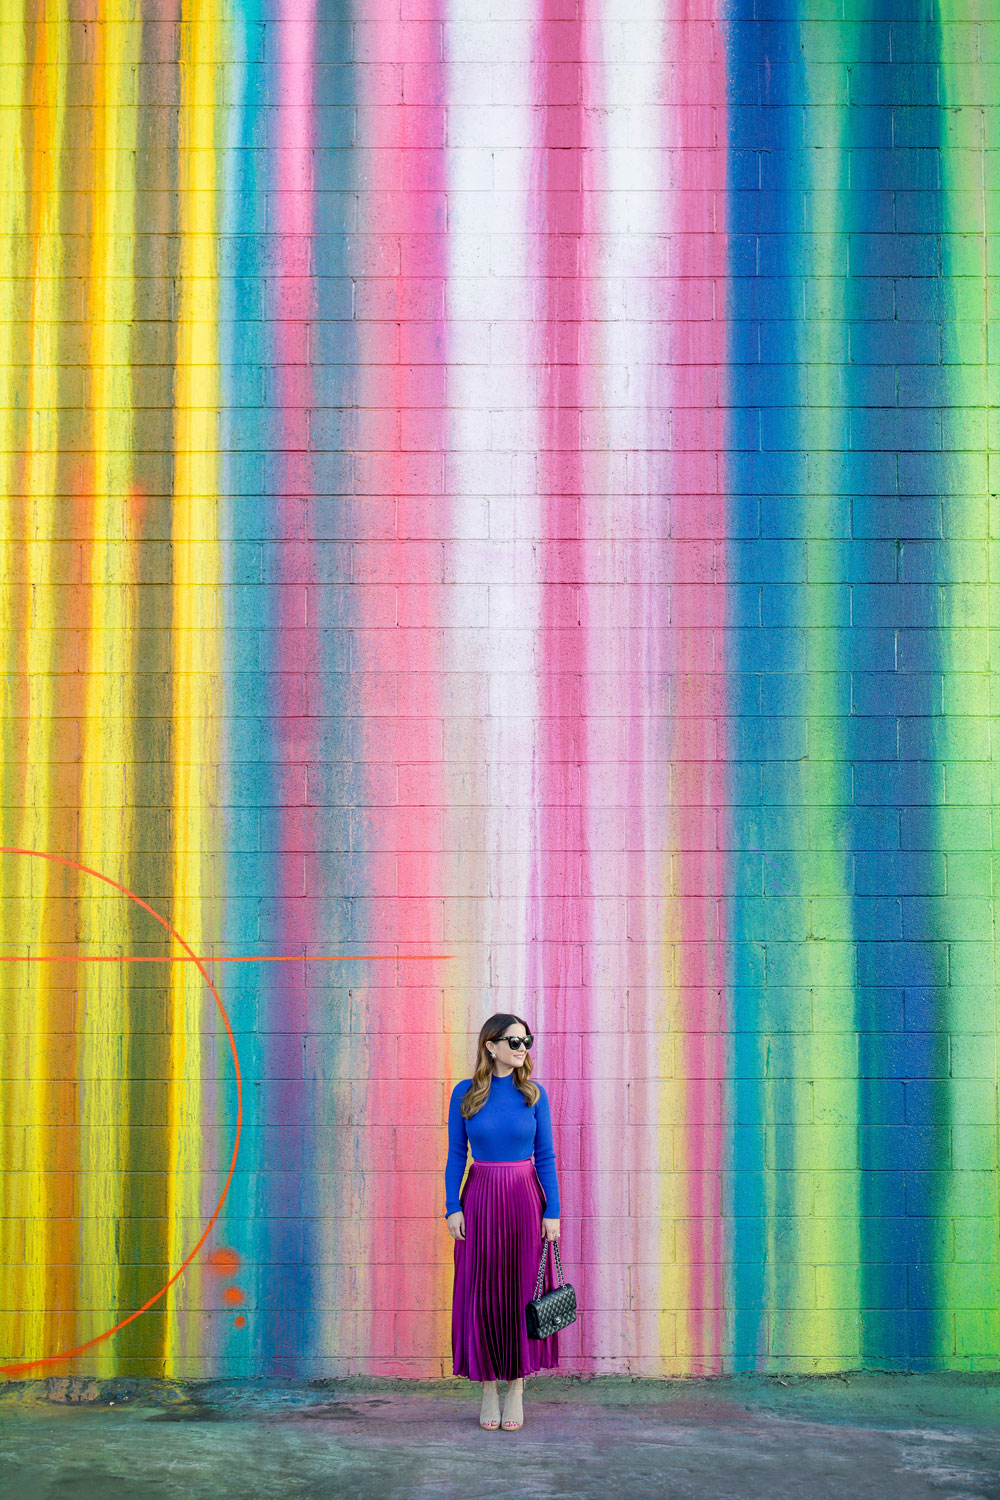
[(507, 1056)]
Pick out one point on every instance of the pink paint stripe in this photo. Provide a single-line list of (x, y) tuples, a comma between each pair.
[(561, 915), (559, 232), (697, 512), (399, 467), (290, 315), (295, 226)]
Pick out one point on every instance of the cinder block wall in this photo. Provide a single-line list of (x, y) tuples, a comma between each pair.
[(499, 500)]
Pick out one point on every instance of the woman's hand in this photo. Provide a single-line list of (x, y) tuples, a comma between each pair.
[(550, 1229), (456, 1225)]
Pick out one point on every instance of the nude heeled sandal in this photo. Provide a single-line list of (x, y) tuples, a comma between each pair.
[(508, 1424), (488, 1426)]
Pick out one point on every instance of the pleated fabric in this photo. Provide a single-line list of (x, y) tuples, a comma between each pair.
[(495, 1269)]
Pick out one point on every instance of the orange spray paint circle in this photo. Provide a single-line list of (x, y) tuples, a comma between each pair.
[(100, 1338), (224, 1260)]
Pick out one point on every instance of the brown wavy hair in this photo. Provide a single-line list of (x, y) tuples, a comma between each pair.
[(477, 1095)]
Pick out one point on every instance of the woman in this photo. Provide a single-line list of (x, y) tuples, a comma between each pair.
[(497, 1224)]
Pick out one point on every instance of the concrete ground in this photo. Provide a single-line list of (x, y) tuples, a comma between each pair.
[(863, 1437)]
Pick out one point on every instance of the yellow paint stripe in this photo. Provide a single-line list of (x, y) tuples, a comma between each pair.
[(12, 226), (826, 1202), (37, 635), (105, 823), (196, 666), (968, 1212)]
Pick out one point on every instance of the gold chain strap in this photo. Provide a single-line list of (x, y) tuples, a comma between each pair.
[(541, 1268)]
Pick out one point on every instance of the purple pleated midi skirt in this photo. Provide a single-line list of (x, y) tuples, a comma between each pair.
[(495, 1270)]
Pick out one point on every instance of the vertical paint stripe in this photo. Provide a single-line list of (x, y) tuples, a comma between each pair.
[(821, 1088), (754, 872), (562, 973), (890, 747), (244, 421), (624, 431), (293, 659), (399, 472), (492, 401), (40, 1186), (966, 1238), (196, 620), (788, 839), (695, 357), (106, 828), (560, 229), (12, 228)]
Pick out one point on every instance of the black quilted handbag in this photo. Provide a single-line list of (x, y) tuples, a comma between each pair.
[(557, 1309)]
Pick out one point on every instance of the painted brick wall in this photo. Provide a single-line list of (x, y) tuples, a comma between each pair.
[(497, 498)]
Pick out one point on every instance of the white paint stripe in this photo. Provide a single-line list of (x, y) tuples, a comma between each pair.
[(493, 435)]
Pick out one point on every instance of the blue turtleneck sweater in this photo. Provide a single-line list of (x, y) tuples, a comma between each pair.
[(507, 1128)]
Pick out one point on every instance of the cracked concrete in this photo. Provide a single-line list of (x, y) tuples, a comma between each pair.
[(870, 1437)]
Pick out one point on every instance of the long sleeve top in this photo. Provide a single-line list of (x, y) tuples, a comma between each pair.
[(507, 1128)]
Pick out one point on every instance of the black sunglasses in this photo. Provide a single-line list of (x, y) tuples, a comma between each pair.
[(516, 1042)]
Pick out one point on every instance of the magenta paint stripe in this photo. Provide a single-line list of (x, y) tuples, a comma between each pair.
[(400, 308), (698, 517), (558, 232), (295, 684), (561, 918)]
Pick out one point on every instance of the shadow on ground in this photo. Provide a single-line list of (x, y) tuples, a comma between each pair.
[(866, 1437)]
